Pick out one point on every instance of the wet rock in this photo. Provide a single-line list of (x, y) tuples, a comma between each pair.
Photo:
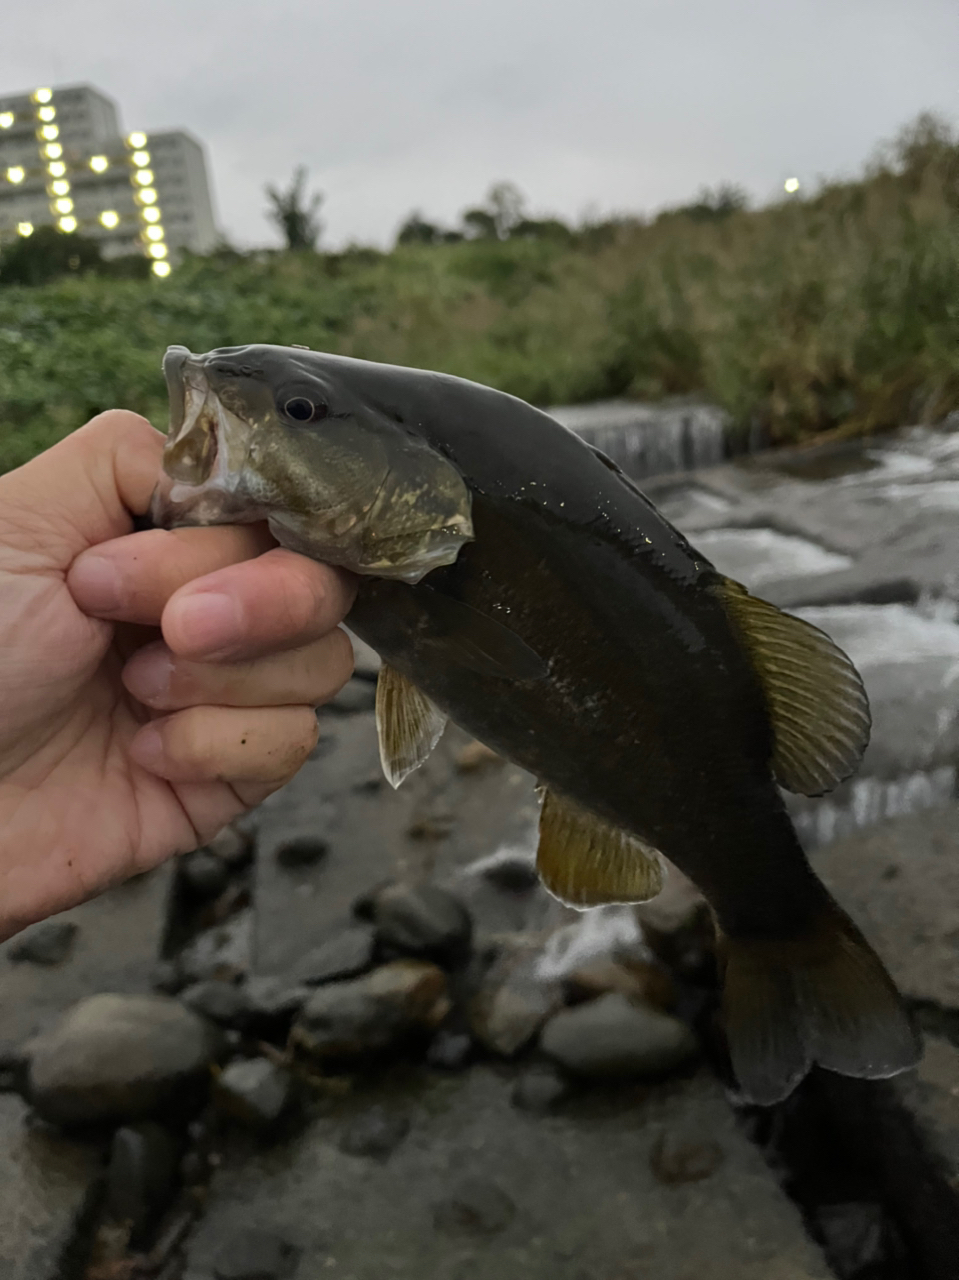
[(346, 954), (302, 851), (373, 1012), (450, 1050), (273, 1002), (356, 695), (167, 978), (539, 1090), (232, 846), (375, 1133), (852, 1235), (49, 943), (221, 952), (141, 1176), (476, 755), (222, 1002), (636, 979), (511, 871), (253, 1091), (476, 1207), (255, 1254), (512, 1002), (675, 1158), (421, 920), (204, 874), (116, 1058), (610, 1037)]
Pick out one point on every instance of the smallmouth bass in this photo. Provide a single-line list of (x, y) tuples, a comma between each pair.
[(514, 580)]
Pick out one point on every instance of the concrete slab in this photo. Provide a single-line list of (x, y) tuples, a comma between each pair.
[(118, 940), (585, 1194), (47, 1184)]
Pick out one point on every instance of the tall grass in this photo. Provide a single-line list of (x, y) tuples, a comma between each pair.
[(836, 313)]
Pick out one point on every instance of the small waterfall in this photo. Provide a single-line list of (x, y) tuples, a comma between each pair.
[(867, 801), (649, 440)]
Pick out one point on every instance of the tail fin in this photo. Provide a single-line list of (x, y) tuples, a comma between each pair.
[(820, 998)]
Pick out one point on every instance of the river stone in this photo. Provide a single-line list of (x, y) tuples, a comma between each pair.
[(345, 955), (254, 1091), (477, 1207), (512, 1002), (222, 1002), (373, 1012), (638, 980), (539, 1090), (273, 1002), (48, 943), (118, 1057), (450, 1050), (302, 851), (375, 1133), (222, 951), (421, 920), (612, 1037), (140, 1176), (204, 873), (254, 1254)]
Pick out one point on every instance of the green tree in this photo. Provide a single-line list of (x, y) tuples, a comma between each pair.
[(294, 214), (47, 253)]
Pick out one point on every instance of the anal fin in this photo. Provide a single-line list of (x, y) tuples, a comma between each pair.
[(408, 724), (586, 862)]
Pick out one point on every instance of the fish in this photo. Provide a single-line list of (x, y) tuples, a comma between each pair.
[(515, 581)]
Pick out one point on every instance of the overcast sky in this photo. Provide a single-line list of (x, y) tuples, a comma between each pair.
[(587, 105)]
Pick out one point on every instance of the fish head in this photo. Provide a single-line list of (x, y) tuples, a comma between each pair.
[(295, 437)]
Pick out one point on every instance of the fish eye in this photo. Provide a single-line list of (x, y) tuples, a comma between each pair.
[(300, 409)]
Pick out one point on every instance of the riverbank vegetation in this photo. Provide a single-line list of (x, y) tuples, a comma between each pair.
[(832, 313)]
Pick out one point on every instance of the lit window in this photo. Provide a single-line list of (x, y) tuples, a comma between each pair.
[(56, 168), (158, 251), (154, 233), (25, 228), (144, 177), (67, 224), (6, 122), (47, 114), (161, 269), (49, 131), (148, 195), (60, 188), (110, 218), (42, 95), (64, 206), (99, 164), (137, 140), (140, 158), (791, 185), (16, 174), (53, 151), (150, 215)]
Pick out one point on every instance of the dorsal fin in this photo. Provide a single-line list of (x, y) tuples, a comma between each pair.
[(408, 724), (586, 862), (815, 696)]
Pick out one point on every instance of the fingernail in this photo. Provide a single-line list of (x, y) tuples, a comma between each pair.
[(95, 584), (147, 749), (147, 675), (207, 621)]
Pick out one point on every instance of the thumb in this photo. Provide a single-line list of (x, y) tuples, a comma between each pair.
[(82, 491)]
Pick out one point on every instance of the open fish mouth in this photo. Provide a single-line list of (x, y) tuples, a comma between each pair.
[(205, 453)]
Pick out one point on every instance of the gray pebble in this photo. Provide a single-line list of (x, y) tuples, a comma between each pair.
[(611, 1037), (48, 943), (223, 1002), (450, 1050), (477, 1207), (421, 920), (301, 851), (204, 873), (539, 1090), (255, 1254), (345, 955), (254, 1091), (375, 1133), (140, 1176)]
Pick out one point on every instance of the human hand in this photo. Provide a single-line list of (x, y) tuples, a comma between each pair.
[(118, 747)]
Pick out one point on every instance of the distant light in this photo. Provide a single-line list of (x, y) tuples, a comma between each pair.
[(67, 224), (154, 233), (137, 140), (42, 95), (6, 121), (47, 114), (25, 228), (56, 169), (144, 177), (148, 195), (150, 215), (53, 151), (61, 188), (99, 164), (16, 174), (110, 218), (64, 206), (49, 131), (161, 269), (791, 185), (158, 250), (140, 158)]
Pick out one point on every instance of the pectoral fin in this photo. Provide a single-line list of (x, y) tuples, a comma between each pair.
[(816, 700), (586, 862), (408, 724), (479, 642)]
